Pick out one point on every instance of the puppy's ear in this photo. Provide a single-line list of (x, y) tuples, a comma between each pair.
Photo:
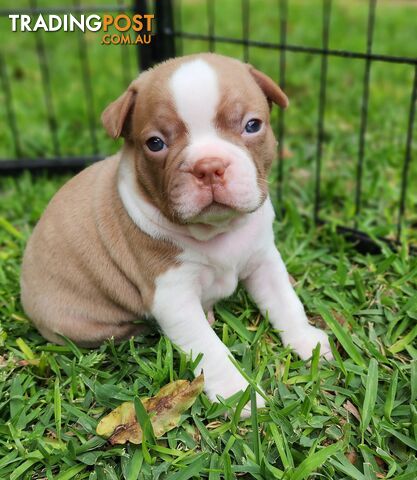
[(271, 90), (116, 116)]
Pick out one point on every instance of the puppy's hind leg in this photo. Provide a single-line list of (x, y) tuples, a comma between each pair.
[(90, 334)]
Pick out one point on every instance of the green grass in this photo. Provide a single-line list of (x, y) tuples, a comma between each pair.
[(352, 418), (363, 403)]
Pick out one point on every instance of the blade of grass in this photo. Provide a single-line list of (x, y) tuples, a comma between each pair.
[(341, 334), (17, 474), (26, 350), (194, 469), (341, 464), (282, 446), (255, 426), (9, 228), (403, 342), (312, 462), (204, 432), (413, 380), (359, 286), (227, 467), (248, 379), (403, 438), (244, 399), (371, 389), (135, 465), (214, 473), (392, 392), (147, 429), (57, 408), (70, 472), (235, 324)]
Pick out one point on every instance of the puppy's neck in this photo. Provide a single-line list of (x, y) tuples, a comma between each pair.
[(149, 218), (204, 231)]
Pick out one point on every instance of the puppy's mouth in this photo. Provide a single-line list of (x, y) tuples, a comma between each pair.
[(215, 214)]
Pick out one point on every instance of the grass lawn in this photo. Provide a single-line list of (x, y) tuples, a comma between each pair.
[(352, 418)]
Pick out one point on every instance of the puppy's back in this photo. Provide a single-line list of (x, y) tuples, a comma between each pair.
[(88, 271)]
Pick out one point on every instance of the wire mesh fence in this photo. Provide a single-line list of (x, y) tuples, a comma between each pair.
[(350, 68)]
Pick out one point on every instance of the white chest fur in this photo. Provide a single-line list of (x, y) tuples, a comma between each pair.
[(213, 268), (216, 283)]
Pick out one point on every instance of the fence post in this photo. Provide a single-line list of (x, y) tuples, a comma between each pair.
[(162, 46)]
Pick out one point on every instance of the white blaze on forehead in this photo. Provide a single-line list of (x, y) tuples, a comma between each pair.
[(195, 90)]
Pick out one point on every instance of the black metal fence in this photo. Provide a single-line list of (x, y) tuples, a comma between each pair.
[(146, 57), (170, 38)]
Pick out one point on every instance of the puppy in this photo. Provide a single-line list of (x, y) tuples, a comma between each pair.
[(169, 225)]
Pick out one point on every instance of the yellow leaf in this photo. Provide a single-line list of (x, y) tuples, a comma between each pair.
[(164, 409)]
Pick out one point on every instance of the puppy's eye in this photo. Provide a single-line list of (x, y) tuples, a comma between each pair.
[(253, 126), (155, 144)]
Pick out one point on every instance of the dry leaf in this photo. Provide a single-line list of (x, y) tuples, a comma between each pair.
[(380, 462), (351, 456), (164, 409), (341, 319), (32, 361), (317, 321), (348, 405)]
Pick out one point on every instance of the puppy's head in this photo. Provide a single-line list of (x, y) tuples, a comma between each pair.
[(198, 129)]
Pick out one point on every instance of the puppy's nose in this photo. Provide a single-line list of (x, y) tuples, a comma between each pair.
[(209, 170)]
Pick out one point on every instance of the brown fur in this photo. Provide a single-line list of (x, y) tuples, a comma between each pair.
[(88, 271)]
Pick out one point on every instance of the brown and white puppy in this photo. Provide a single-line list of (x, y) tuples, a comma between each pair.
[(170, 224)]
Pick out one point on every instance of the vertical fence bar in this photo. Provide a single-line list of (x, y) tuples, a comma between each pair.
[(145, 53), (245, 29), (125, 54), (283, 11), (46, 86), (8, 102), (179, 45), (408, 154), (364, 110), (162, 46), (88, 90), (164, 13), (211, 16), (322, 105)]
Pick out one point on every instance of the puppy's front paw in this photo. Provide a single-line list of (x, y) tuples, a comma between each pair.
[(247, 410), (227, 387), (306, 340)]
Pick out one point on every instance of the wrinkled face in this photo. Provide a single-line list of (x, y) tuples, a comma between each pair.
[(200, 135)]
